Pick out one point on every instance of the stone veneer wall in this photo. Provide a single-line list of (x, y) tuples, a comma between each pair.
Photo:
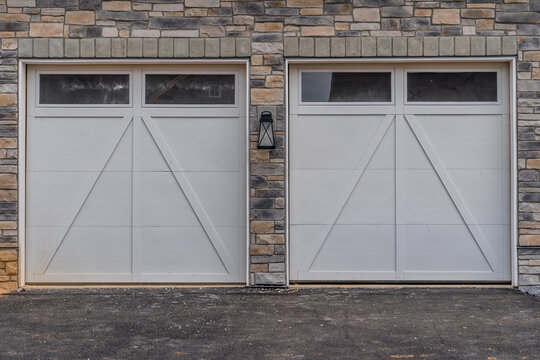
[(267, 32)]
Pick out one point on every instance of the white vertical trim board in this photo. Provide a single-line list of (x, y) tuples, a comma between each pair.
[(21, 158)]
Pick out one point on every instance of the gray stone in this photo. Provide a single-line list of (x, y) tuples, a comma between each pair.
[(397, 11), (369, 47), (531, 290), (431, 46), (266, 37), (25, 48), (523, 17), (276, 267), (150, 48), (90, 4), (265, 259), (57, 3), (409, 24), (352, 47), (290, 46), (509, 45), (56, 48), (13, 26), (165, 48), (228, 46), (377, 3), (196, 48), (119, 48), (528, 85), (310, 20), (446, 46), (211, 48), (173, 23), (478, 46), (529, 175), (528, 29), (337, 47), (134, 48), (121, 15), (462, 46), (41, 48), (270, 279), (529, 43), (307, 47), (181, 48), (103, 48), (243, 47), (217, 20), (399, 46), (87, 47), (529, 280), (414, 46), (248, 8), (322, 47), (384, 46), (493, 46)]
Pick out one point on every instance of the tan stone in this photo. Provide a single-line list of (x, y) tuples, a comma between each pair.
[(422, 12), (531, 55), (266, 96), (260, 70), (261, 249), (259, 156), (56, 19), (8, 99), (536, 74), (446, 16), (311, 11), (269, 26), (46, 30), (8, 181), (11, 268), (8, 143), (8, 286), (477, 13), (274, 81), (317, 31), (8, 224), (259, 267), (8, 255), (8, 195), (80, 17), (257, 60), (117, 5), (304, 3), (342, 26), (6, 34), (9, 44), (529, 240), (484, 24), (366, 15), (270, 239), (14, 17), (261, 227), (482, 6), (533, 163)]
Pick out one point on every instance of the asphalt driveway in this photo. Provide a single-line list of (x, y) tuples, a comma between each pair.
[(238, 323)]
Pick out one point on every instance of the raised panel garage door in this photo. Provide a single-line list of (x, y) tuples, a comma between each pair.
[(399, 173), (135, 174)]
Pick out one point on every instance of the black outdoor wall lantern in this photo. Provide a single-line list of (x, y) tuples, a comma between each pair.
[(266, 131)]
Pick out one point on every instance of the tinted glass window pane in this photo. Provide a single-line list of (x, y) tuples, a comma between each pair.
[(83, 89), (346, 87), (189, 89), (452, 87)]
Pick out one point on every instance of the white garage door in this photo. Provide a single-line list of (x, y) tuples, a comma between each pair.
[(399, 173), (136, 174)]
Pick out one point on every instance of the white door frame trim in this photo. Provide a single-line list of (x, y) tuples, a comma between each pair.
[(22, 91), (509, 60)]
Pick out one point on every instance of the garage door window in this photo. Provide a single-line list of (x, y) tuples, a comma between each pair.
[(84, 89), (346, 87), (187, 89), (452, 86)]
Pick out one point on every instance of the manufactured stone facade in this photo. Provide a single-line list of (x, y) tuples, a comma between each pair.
[(266, 33)]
